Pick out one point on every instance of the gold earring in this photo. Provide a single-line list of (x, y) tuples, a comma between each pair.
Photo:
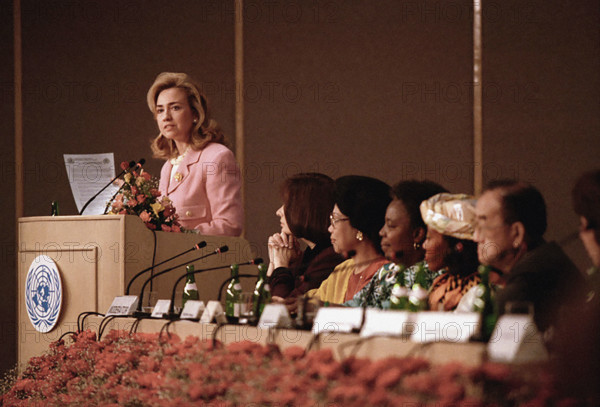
[(417, 245), (359, 236)]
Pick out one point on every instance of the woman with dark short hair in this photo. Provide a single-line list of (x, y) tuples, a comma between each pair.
[(402, 237), (357, 217)]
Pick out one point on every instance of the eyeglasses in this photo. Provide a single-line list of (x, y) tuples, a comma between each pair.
[(334, 220)]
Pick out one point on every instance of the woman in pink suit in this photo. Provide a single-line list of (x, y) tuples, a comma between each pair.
[(200, 175)]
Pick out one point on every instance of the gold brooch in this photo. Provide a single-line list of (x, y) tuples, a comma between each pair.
[(178, 176)]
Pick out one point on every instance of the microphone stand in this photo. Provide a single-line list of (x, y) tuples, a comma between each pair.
[(139, 312), (131, 164), (198, 246)]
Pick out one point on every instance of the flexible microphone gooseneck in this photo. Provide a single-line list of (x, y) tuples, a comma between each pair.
[(198, 246), (221, 249), (171, 314), (89, 201), (133, 165)]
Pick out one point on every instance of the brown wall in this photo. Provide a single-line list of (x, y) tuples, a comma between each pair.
[(377, 88), (8, 273)]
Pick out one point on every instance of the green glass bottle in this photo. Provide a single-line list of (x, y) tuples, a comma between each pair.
[(399, 296), (190, 292), (262, 291), (54, 208), (485, 305), (233, 296)]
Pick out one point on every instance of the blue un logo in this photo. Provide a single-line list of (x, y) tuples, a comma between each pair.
[(43, 293)]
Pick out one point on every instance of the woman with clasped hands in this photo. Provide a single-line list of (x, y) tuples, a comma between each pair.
[(304, 217), (200, 175)]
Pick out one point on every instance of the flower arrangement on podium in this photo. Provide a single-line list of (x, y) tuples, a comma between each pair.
[(139, 195)]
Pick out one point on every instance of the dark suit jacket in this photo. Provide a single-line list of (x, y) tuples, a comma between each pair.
[(547, 278)]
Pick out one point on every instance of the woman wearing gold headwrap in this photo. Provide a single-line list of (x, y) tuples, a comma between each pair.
[(449, 246)]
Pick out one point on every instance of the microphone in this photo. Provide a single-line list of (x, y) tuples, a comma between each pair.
[(198, 246), (221, 249), (131, 164), (171, 313), (139, 164)]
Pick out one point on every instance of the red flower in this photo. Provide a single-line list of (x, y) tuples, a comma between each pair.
[(293, 352), (389, 377)]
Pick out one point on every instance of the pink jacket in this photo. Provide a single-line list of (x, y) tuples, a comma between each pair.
[(206, 191)]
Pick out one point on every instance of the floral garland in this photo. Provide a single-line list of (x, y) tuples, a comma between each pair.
[(139, 195), (142, 370)]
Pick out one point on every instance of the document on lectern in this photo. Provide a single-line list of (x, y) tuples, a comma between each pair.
[(88, 174)]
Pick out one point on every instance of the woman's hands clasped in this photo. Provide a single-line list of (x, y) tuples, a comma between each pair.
[(283, 250)]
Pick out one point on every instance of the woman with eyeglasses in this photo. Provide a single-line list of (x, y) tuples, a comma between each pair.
[(304, 217), (357, 217)]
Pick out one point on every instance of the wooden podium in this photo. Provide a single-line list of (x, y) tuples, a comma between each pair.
[(97, 256)]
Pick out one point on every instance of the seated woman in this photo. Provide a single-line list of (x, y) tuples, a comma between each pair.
[(402, 238), (304, 215), (200, 174), (357, 217), (449, 247)]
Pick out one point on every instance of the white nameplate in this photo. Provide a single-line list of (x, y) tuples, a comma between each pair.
[(516, 339), (275, 316), (430, 326), (192, 309), (123, 306), (161, 308), (385, 323), (213, 311), (337, 319)]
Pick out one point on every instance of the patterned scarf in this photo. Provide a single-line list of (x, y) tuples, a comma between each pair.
[(448, 289)]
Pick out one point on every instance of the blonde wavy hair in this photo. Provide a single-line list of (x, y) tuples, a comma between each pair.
[(205, 130)]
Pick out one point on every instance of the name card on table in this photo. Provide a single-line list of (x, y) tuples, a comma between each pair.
[(123, 306), (516, 340), (385, 323), (275, 316), (213, 311), (430, 326), (192, 310), (337, 319), (161, 308)]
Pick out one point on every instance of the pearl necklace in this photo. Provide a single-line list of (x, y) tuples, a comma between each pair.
[(179, 159)]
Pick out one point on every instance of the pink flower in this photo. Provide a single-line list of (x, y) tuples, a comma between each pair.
[(118, 202), (165, 228), (141, 198), (145, 216), (124, 165)]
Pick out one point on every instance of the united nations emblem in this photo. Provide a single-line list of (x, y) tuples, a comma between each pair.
[(43, 293)]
